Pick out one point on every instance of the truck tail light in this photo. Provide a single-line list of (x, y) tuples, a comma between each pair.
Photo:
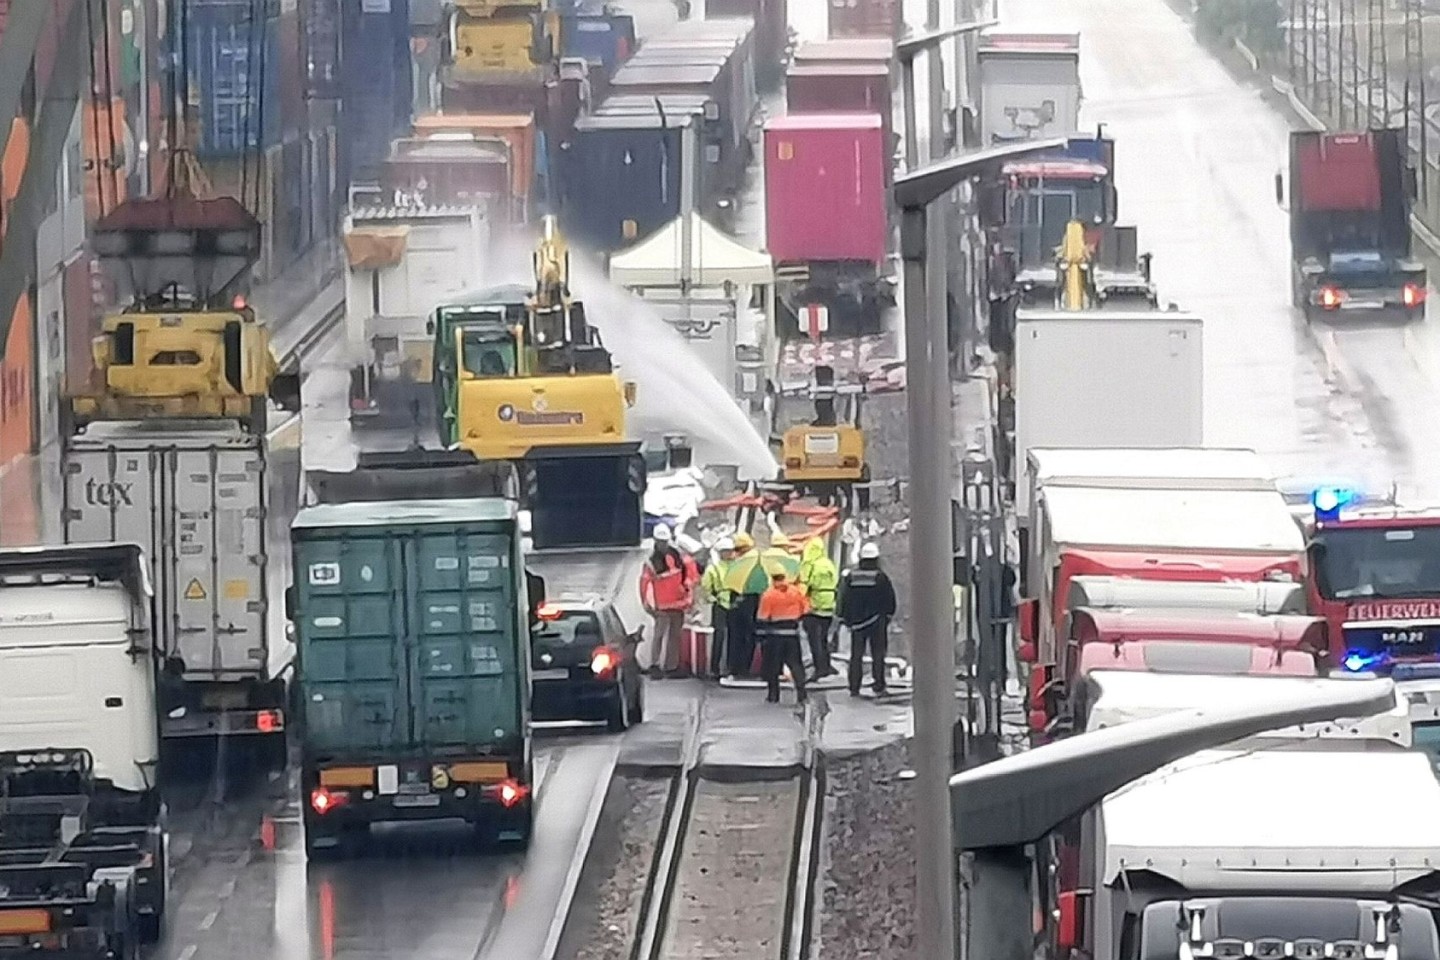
[(1413, 294), (323, 800), (511, 793), (604, 661), (1331, 297), (270, 721)]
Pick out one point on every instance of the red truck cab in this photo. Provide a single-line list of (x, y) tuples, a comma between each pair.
[(1376, 581)]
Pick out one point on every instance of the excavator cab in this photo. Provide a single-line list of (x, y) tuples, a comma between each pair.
[(187, 345), (521, 376)]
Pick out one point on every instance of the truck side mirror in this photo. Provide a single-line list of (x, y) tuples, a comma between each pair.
[(1029, 616), (1280, 189), (290, 603), (285, 391), (429, 328)]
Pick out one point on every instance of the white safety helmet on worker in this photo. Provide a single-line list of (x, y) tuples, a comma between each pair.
[(725, 543), (662, 533), (870, 551)]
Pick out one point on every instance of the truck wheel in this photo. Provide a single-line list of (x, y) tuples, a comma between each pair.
[(617, 719)]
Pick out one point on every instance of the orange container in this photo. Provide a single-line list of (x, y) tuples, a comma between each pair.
[(102, 135), (516, 129)]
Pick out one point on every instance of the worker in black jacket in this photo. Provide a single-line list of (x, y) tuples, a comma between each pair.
[(865, 605)]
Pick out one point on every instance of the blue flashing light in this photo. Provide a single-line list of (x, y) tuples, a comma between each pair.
[(1415, 671), (1329, 501), (1359, 661)]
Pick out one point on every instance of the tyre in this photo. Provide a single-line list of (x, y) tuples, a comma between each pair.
[(150, 927), (617, 718)]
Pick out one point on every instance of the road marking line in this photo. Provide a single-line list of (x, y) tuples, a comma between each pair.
[(209, 920), (1413, 351), (582, 854), (188, 952)]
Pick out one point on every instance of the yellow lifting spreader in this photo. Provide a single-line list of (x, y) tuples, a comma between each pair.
[(826, 456), (187, 346)]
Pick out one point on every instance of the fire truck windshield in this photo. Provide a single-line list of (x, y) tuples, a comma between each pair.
[(1426, 738), (1390, 562)]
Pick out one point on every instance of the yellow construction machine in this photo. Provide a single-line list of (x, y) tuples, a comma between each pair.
[(825, 457), (521, 376), (1084, 283), (187, 345), (502, 42)]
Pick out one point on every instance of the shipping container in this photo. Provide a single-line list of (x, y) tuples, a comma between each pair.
[(849, 50), (320, 48), (772, 31), (376, 78), (476, 170), (17, 386), (843, 88), (516, 129), (1029, 85), (193, 495), (621, 178), (734, 108), (865, 18), (825, 197), (81, 321), (413, 655), (721, 167), (292, 75), (603, 40), (105, 121), (234, 72)]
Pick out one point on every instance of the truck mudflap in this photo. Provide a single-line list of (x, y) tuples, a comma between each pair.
[(585, 495)]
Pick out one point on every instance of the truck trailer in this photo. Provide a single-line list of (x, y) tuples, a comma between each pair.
[(403, 261), (1182, 862), (412, 614), (84, 865), (194, 494), (1350, 241)]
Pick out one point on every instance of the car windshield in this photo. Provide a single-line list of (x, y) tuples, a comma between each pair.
[(572, 627), (1391, 562)]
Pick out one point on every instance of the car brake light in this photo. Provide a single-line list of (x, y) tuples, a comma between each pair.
[(269, 721), (1330, 297), (1413, 294), (323, 800), (511, 793), (548, 611), (603, 661)]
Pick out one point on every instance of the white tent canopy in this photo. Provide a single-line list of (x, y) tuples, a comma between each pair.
[(715, 259)]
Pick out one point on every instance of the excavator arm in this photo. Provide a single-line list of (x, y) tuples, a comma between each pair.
[(1075, 261)]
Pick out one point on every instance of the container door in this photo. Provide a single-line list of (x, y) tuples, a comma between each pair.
[(216, 538), (465, 689), (352, 592)]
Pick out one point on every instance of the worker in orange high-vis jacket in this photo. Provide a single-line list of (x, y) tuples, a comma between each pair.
[(667, 588), (778, 628)]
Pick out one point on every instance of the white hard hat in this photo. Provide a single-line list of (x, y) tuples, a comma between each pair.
[(725, 543), (869, 552), (662, 533)]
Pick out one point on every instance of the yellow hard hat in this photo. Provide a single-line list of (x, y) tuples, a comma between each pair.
[(743, 541), (779, 540)]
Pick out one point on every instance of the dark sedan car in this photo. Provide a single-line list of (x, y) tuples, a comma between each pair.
[(583, 665)]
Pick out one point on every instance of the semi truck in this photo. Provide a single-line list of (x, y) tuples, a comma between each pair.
[(167, 449), (403, 260), (1350, 240), (84, 865), (412, 612), (1165, 515), (1181, 863)]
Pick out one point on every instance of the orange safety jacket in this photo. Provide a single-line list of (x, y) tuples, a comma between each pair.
[(783, 601)]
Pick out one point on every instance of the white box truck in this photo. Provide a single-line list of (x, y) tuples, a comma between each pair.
[(194, 495), (1105, 378), (404, 261), (82, 824), (1029, 85)]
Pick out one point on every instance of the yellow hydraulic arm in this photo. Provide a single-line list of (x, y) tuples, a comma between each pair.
[(1074, 262)]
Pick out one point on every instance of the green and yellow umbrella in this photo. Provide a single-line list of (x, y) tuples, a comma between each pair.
[(752, 572)]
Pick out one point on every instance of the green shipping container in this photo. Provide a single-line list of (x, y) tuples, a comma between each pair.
[(411, 630)]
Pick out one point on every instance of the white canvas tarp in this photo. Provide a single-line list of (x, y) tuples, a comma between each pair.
[(715, 259)]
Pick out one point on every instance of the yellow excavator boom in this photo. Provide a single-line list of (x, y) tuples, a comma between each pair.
[(1075, 261)]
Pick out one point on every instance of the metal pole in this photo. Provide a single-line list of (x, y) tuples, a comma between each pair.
[(932, 630), (142, 29), (688, 160)]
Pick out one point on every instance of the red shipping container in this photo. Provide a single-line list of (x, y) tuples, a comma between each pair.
[(825, 197), (1339, 172), (847, 87), (849, 50), (865, 18)]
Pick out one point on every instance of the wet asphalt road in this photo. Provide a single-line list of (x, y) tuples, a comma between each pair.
[(1197, 153)]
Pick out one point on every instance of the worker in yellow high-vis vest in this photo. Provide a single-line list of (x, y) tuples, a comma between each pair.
[(819, 580), (722, 602)]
